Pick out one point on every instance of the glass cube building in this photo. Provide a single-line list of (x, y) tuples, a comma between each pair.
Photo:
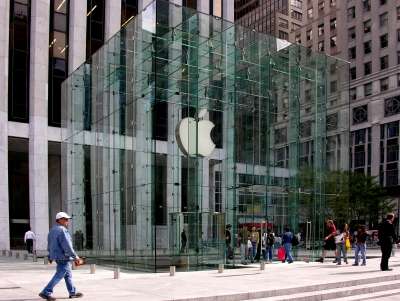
[(186, 122)]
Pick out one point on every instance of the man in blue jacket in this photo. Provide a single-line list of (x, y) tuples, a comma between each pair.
[(61, 251)]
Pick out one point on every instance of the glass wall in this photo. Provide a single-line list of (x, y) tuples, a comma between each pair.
[(184, 123)]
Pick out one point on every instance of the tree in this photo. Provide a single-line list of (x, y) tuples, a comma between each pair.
[(349, 196)]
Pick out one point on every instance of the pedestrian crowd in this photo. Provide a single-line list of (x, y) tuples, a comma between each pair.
[(254, 245)]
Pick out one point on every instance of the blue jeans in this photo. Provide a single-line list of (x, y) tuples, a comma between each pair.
[(288, 251), (341, 249), (253, 250), (360, 248), (63, 271), (268, 253)]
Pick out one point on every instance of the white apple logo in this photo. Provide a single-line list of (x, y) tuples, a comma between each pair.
[(186, 136)]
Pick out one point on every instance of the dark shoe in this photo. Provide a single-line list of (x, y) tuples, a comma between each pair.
[(321, 260), (355, 264), (76, 295), (339, 263), (335, 261), (387, 270), (43, 296)]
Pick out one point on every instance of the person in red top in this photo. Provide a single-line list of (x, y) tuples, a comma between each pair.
[(329, 240)]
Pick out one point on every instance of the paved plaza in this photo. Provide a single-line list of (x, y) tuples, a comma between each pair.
[(22, 280)]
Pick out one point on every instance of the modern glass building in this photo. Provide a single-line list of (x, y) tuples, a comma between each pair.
[(185, 121)]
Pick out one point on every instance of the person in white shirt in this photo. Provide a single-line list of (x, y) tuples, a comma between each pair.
[(28, 240)]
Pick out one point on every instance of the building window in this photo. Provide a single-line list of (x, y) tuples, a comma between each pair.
[(389, 146), (398, 57), (333, 86), (333, 42), (352, 33), (367, 26), (94, 26), (367, 68), (298, 38), (383, 19), (280, 135), (129, 9), (398, 79), (361, 150), (321, 6), (305, 129), (321, 46), (296, 15), (309, 35), (368, 89), (295, 26), (297, 3), (333, 24), (384, 83), (283, 23), (392, 106), (310, 13), (18, 79), (382, 2), (384, 40), (398, 35), (320, 30), (353, 93), (353, 73), (366, 5), (58, 58), (360, 114), (398, 12), (352, 52), (332, 122), (283, 35), (333, 3), (351, 13), (367, 47), (384, 62)]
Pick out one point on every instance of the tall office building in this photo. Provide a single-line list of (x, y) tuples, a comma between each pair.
[(367, 34), (275, 17), (41, 42)]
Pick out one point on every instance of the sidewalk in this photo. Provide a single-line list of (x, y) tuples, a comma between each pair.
[(22, 280)]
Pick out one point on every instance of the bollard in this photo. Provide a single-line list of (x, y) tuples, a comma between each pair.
[(262, 265), (25, 256), (221, 268), (17, 255), (3, 253), (172, 270), (116, 273), (34, 258), (92, 268), (45, 260)]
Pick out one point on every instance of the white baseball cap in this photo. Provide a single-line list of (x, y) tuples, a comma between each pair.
[(62, 215)]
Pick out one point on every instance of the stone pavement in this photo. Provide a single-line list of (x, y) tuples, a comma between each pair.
[(22, 280)]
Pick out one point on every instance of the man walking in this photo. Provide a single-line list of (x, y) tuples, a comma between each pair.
[(287, 239), (387, 237), (28, 239), (61, 250)]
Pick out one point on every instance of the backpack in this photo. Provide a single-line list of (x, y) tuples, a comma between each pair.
[(295, 241)]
